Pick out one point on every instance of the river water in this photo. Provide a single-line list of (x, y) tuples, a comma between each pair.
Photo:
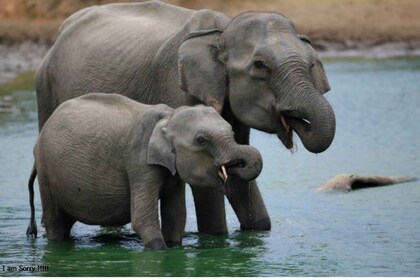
[(370, 232)]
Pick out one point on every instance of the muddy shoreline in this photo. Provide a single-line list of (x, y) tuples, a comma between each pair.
[(19, 58), (26, 56), (367, 49)]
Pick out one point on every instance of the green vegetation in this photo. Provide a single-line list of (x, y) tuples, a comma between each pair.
[(22, 82)]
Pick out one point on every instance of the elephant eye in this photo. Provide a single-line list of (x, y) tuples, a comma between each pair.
[(200, 140), (312, 65), (259, 64), (259, 69)]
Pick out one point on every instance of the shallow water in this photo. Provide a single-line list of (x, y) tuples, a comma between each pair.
[(370, 232)]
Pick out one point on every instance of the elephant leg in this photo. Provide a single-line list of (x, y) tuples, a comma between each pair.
[(144, 210), (58, 225), (210, 210), (245, 197), (145, 222), (59, 228), (56, 222), (173, 213), (248, 205)]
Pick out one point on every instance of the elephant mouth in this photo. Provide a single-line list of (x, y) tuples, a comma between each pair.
[(228, 169), (288, 124), (285, 132)]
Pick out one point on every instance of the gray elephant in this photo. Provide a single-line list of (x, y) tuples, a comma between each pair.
[(104, 159), (254, 69)]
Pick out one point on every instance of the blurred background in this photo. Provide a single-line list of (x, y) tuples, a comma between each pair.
[(343, 21), (375, 28)]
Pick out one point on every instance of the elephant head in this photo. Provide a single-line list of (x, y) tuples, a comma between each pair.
[(204, 152), (270, 76)]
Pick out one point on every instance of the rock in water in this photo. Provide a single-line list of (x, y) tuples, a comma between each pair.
[(348, 182)]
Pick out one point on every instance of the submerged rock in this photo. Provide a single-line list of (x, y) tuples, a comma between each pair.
[(348, 182)]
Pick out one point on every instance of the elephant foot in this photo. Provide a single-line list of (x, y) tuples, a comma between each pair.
[(57, 234), (59, 227), (263, 224), (171, 244), (348, 182), (214, 229), (156, 244)]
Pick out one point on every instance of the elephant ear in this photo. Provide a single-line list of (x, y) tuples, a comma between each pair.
[(161, 151), (318, 76), (201, 73)]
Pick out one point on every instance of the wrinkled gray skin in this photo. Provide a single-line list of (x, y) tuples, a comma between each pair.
[(104, 159), (254, 69), (348, 182)]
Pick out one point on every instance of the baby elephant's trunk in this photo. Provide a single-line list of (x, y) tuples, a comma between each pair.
[(245, 162)]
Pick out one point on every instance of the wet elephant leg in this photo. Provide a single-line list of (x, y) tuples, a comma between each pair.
[(245, 197), (58, 226), (57, 223), (173, 213), (210, 210), (248, 205)]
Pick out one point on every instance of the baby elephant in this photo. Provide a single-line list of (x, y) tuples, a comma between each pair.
[(104, 159)]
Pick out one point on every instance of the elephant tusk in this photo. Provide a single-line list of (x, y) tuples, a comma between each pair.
[(222, 173), (284, 124)]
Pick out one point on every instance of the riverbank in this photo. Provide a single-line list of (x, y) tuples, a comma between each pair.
[(373, 21), (348, 28), (367, 49), (18, 58), (26, 56)]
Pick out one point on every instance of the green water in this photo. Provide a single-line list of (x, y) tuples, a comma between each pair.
[(371, 232)]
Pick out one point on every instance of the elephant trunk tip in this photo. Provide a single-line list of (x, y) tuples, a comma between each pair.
[(247, 166), (315, 126), (322, 145)]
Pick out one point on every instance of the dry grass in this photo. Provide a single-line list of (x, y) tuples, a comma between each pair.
[(20, 30), (336, 20), (376, 21)]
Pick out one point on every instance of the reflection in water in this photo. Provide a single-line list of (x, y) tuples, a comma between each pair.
[(372, 232), (230, 255), (119, 254)]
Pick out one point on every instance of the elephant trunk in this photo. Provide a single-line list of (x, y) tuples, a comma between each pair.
[(243, 161), (310, 115), (316, 124), (318, 134)]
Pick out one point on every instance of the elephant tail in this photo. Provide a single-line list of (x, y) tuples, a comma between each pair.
[(32, 230)]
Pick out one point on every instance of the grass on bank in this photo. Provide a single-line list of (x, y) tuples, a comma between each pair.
[(22, 82)]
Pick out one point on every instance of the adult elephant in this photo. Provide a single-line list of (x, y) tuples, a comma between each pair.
[(254, 69)]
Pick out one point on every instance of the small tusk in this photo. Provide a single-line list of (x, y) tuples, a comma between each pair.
[(225, 176), (220, 174), (284, 124)]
